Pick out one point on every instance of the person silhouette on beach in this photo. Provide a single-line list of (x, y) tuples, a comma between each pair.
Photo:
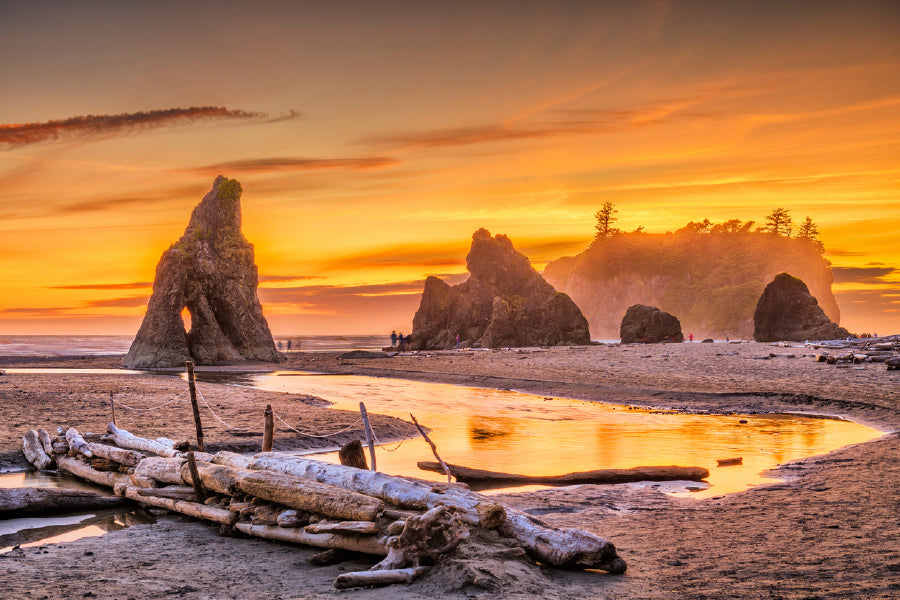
[(289, 345), (393, 339), (457, 341), (400, 340)]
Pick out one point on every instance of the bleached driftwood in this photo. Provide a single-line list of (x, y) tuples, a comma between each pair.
[(366, 544), (84, 470), (349, 527), (129, 458), (294, 492), (34, 450), (571, 548), (77, 443), (599, 476), (161, 469), (192, 509), (125, 439), (382, 577), (176, 492), (558, 547), (45, 440), (404, 492), (21, 502)]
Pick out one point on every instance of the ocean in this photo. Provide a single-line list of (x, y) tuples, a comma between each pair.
[(96, 345)]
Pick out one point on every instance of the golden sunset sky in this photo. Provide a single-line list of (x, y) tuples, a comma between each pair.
[(373, 138)]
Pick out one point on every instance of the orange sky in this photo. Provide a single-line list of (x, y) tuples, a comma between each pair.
[(373, 139)]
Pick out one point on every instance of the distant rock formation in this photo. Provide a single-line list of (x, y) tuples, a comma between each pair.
[(503, 303), (211, 272), (787, 311), (712, 281), (649, 325)]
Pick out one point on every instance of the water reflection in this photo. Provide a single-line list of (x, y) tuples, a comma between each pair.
[(520, 433), (38, 531)]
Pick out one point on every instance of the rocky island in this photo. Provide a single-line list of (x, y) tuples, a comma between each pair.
[(503, 303)]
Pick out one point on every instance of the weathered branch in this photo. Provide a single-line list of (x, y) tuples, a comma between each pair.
[(22, 502), (600, 476), (125, 439), (365, 544), (382, 577)]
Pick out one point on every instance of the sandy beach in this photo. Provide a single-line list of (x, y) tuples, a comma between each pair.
[(829, 529)]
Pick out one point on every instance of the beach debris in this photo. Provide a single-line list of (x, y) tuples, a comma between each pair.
[(893, 364), (211, 272), (352, 454), (505, 303), (35, 451), (485, 479), (43, 501), (787, 311), (411, 524), (730, 462), (649, 325)]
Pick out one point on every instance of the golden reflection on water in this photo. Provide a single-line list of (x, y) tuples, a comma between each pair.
[(512, 432)]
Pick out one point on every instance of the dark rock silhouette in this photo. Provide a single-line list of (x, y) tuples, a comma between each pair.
[(503, 303), (211, 272), (649, 325), (787, 311)]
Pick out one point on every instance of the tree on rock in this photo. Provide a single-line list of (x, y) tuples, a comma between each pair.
[(779, 222), (211, 272), (606, 216)]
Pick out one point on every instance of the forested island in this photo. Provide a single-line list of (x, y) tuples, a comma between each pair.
[(709, 275)]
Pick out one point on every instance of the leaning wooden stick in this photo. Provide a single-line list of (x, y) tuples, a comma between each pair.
[(368, 428), (433, 449)]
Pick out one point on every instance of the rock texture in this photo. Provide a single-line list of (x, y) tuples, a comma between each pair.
[(211, 272), (787, 311), (649, 325), (503, 303)]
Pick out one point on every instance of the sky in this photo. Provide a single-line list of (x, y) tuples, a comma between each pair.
[(373, 138)]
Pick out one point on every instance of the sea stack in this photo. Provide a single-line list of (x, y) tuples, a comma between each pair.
[(503, 303), (786, 311), (649, 325), (210, 271)]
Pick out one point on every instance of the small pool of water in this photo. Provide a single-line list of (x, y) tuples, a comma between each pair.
[(508, 431), (37, 531)]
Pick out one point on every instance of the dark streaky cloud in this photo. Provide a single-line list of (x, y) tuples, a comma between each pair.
[(105, 286), (13, 135), (286, 164), (873, 275)]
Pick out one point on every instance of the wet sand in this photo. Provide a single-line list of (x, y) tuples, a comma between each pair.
[(829, 530)]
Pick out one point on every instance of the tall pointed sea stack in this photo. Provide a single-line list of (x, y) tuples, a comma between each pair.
[(211, 272), (505, 302)]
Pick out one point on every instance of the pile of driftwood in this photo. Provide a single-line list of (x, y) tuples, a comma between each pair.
[(409, 522), (860, 350)]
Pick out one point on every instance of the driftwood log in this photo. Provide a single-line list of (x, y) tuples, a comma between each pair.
[(77, 443), (601, 476), (85, 471), (125, 439), (27, 501), (34, 450), (381, 577)]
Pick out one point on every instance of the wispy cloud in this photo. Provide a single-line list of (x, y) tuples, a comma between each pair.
[(288, 164), (345, 300), (428, 256), (14, 135), (866, 275), (279, 278), (127, 302), (105, 286)]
